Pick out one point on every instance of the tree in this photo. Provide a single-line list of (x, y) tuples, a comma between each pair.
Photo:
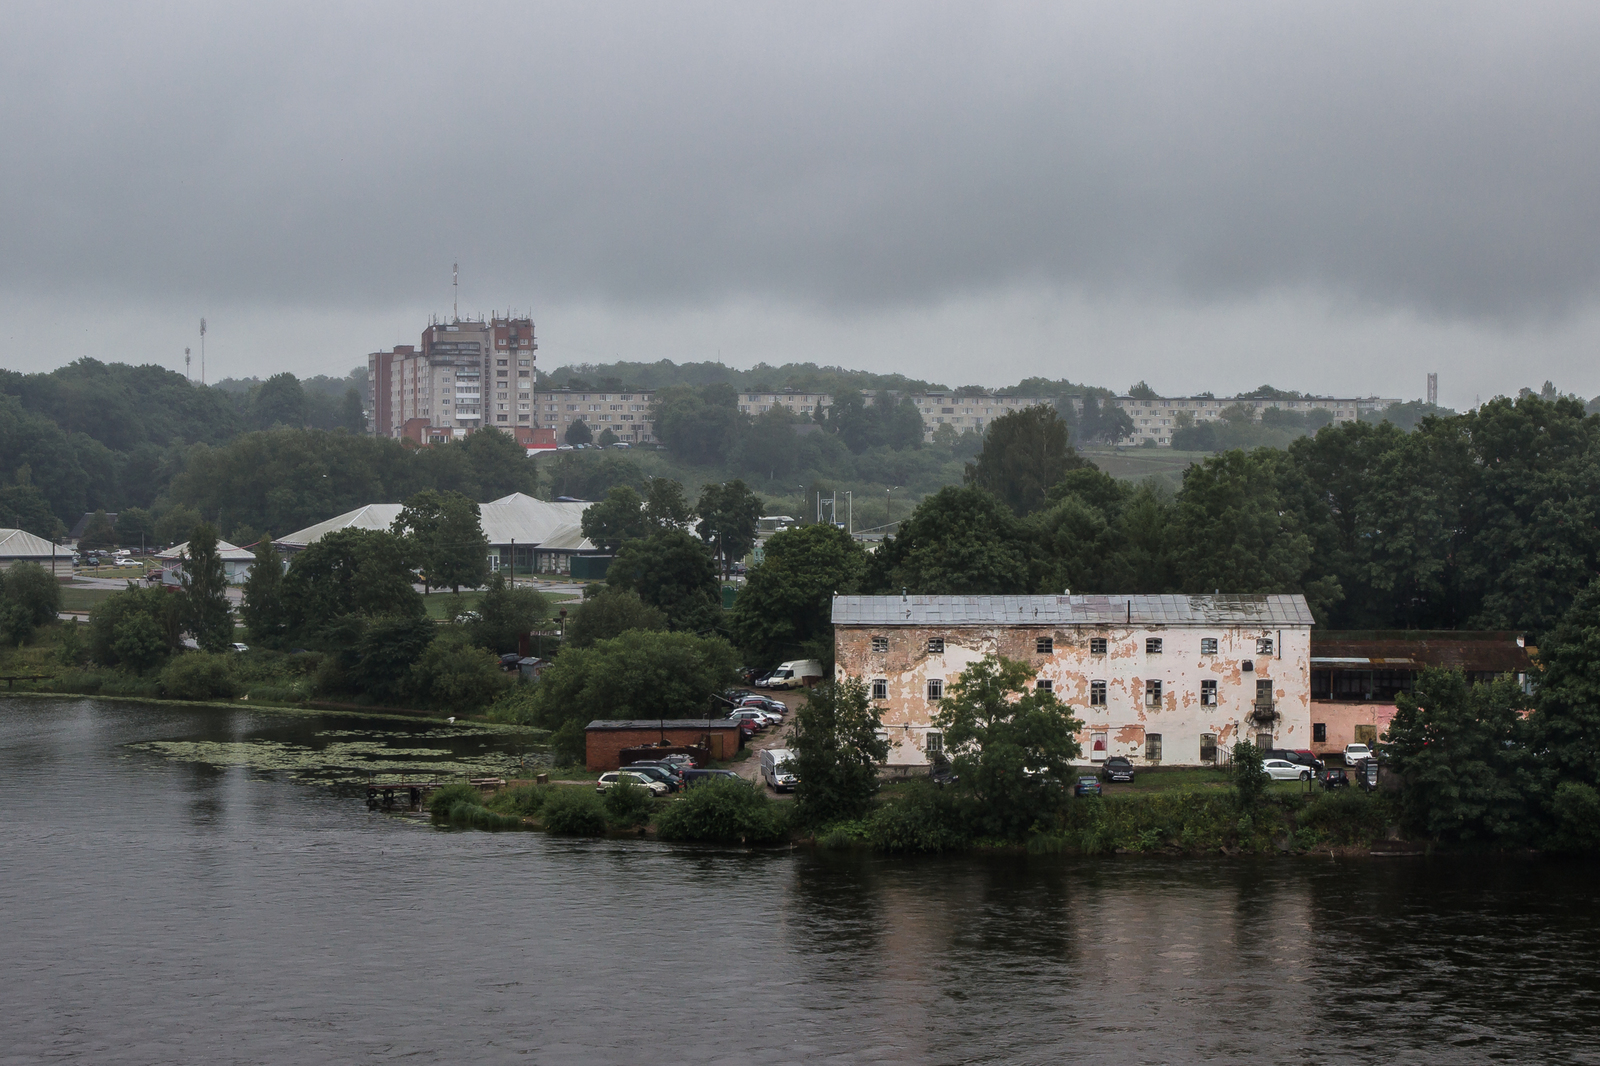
[(959, 541), (837, 751), (262, 611), (636, 675), (136, 628), (610, 613), (352, 416), (505, 614), (666, 507), (98, 534), (278, 401), (175, 523), (1011, 746), (1024, 453), (785, 609), (444, 534), (1566, 722), (578, 433), (385, 650), (454, 674), (1141, 391), (32, 591), (615, 520), (701, 425), (1250, 780), (355, 572), (673, 571), (206, 612), (135, 528), (728, 519), (1460, 748), (607, 437), (27, 506)]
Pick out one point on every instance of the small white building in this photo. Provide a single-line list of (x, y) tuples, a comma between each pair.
[(236, 562), (20, 546), (1162, 680)]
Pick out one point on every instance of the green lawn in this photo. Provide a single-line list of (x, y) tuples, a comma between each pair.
[(77, 598), (439, 603), (1135, 464), (1187, 778)]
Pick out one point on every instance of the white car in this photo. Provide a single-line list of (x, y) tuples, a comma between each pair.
[(608, 779), (1284, 770), (1354, 753), (760, 718)]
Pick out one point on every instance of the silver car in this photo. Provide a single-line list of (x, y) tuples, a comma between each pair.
[(608, 779), (1284, 770)]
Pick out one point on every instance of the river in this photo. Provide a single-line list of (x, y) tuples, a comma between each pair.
[(159, 906)]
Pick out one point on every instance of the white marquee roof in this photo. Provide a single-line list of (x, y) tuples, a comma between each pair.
[(516, 517)]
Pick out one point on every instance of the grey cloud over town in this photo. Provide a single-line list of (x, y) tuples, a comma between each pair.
[(1334, 196)]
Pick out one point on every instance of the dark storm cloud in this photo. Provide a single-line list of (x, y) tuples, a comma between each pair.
[(1433, 157)]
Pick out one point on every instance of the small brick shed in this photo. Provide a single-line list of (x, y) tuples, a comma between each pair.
[(605, 740)]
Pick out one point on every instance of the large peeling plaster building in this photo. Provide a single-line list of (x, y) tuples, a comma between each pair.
[(1159, 679)]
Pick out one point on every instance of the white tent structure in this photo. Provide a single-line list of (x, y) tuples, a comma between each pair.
[(544, 535), (20, 546), (235, 562)]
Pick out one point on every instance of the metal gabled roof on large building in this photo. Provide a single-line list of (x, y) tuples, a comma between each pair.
[(20, 544), (517, 517), (1267, 611)]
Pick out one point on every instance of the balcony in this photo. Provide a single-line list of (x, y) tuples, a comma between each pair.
[(1263, 711)]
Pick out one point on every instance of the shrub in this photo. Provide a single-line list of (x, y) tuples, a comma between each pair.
[(459, 792), (1250, 781), (726, 810), (1347, 817), (923, 817), (628, 804), (479, 817), (198, 676), (575, 810), (523, 800)]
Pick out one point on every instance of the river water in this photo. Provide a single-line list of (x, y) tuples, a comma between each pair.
[(158, 905)]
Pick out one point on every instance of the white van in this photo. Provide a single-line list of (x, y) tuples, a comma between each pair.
[(775, 769), (800, 673)]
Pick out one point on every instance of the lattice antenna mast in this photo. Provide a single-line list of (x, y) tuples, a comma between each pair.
[(455, 292), (187, 376), (1433, 390), (202, 351)]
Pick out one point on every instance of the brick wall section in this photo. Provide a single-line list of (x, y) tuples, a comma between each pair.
[(603, 745)]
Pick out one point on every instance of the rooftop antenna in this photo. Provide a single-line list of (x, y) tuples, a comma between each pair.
[(455, 291), (187, 376), (202, 351)]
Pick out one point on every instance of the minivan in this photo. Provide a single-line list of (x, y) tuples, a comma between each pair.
[(776, 769), (796, 674)]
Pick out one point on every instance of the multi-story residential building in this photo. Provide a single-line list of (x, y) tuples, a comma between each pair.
[(627, 414), (1155, 418), (464, 375), (1159, 679), (967, 410), (798, 403)]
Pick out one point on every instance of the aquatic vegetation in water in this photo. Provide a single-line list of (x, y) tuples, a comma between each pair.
[(341, 761)]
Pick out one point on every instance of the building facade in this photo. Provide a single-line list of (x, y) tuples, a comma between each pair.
[(967, 410), (627, 414), (1162, 680), (797, 403), (1155, 419), (463, 376)]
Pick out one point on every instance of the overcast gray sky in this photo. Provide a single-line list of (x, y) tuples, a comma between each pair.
[(1336, 197)]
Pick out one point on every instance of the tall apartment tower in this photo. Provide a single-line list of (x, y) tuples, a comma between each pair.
[(463, 376), (1433, 390)]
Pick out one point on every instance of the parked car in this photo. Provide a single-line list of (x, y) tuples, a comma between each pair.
[(1354, 753), (1087, 786), (750, 714), (1117, 768), (611, 778), (943, 774), (656, 773), (1284, 770), (680, 761), (776, 771), (1304, 758), (239, 647), (692, 778), (509, 660), (764, 703), (1335, 779)]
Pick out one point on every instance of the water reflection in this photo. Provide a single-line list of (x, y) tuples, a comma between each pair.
[(155, 909)]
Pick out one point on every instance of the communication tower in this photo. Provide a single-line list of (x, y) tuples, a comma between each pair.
[(202, 351), (1433, 390), (186, 374)]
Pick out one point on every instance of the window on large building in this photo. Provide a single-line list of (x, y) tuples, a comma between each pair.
[(1097, 645), (935, 645), (1097, 693), (1045, 646), (1152, 693), (1264, 691), (880, 688), (1208, 645), (1044, 684), (1208, 747), (1319, 732), (1152, 747), (1263, 645), (934, 745), (1208, 693), (1152, 646), (935, 688), (880, 644)]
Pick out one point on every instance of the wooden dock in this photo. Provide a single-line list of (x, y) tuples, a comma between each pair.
[(410, 795)]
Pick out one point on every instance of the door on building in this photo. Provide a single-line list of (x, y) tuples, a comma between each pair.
[(1097, 746), (1263, 741), (1368, 735)]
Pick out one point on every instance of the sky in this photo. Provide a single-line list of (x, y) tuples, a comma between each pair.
[(1334, 197)]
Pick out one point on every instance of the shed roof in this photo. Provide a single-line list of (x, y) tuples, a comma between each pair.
[(1266, 611), (663, 723), (20, 544), (1478, 652)]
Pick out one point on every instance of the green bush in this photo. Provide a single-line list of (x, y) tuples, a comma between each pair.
[(198, 675), (725, 810), (921, 817), (522, 800), (1347, 817), (574, 810), (464, 813), (628, 804), (459, 792)]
